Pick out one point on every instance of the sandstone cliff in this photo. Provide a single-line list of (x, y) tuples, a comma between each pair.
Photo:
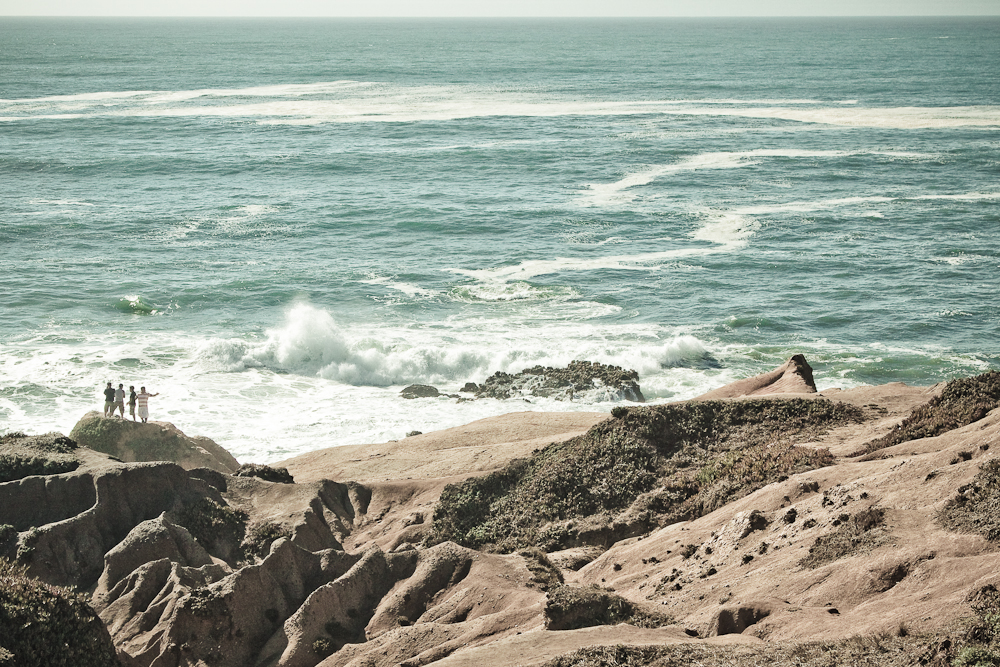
[(739, 530)]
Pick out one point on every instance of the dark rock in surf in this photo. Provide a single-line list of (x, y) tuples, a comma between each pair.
[(419, 391), (590, 381)]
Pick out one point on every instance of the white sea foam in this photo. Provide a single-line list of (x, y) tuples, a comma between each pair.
[(310, 383), (605, 194), (406, 288), (358, 101)]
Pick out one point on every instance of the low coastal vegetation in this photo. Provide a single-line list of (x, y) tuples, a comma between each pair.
[(48, 626), (573, 607), (217, 527), (646, 467), (264, 472), (854, 534), (960, 403), (860, 651), (23, 455), (976, 506)]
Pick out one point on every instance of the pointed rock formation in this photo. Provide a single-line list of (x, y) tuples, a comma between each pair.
[(793, 377)]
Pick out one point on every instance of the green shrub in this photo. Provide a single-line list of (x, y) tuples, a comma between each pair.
[(961, 402), (976, 506), (572, 607), (48, 626), (976, 656), (696, 456), (323, 647)]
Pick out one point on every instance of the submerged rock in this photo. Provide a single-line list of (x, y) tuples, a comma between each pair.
[(591, 381)]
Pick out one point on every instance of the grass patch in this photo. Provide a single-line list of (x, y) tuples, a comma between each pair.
[(962, 402), (976, 506), (544, 573), (218, 528), (860, 651), (859, 533), (48, 626), (572, 607), (664, 463), (259, 537)]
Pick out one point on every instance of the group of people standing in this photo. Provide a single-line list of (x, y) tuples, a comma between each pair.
[(114, 399)]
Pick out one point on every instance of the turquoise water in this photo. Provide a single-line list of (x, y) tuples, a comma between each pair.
[(277, 224)]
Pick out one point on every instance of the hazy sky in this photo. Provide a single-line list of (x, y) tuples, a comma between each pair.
[(498, 7)]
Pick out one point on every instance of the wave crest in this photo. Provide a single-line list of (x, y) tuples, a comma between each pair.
[(310, 343)]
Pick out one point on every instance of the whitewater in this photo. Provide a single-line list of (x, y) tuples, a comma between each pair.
[(277, 225)]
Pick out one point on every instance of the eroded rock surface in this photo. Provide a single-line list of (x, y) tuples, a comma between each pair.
[(200, 567), (793, 377)]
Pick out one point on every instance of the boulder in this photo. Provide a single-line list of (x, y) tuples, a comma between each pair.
[(419, 391), (792, 377), (151, 441)]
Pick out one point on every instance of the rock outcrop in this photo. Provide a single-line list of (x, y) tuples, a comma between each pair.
[(793, 377), (151, 441), (198, 567), (586, 380)]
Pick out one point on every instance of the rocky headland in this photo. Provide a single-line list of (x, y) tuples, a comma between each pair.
[(763, 523)]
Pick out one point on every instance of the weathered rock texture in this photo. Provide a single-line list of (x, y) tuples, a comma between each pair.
[(793, 377), (151, 441), (587, 380), (202, 568)]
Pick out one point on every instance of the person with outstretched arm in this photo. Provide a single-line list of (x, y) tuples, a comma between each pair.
[(143, 399)]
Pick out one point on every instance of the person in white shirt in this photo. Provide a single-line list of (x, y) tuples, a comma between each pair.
[(119, 402), (143, 399)]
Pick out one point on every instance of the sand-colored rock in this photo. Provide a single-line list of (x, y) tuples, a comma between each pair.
[(150, 441), (477, 447), (919, 577), (793, 377), (350, 574)]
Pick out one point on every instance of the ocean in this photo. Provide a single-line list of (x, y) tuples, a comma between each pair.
[(277, 224)]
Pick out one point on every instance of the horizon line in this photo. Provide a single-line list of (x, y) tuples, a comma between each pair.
[(498, 16)]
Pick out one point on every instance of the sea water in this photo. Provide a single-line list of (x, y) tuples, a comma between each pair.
[(277, 224)]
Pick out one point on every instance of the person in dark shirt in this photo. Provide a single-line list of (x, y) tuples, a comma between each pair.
[(109, 400), (131, 401)]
